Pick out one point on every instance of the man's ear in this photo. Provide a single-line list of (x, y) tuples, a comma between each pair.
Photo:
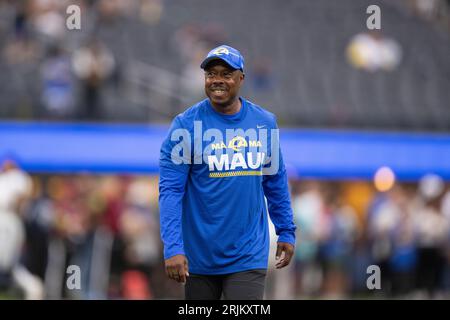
[(242, 76)]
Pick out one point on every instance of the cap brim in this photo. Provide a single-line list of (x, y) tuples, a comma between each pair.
[(208, 60)]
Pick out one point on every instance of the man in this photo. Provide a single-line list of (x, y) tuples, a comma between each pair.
[(214, 222), (15, 191)]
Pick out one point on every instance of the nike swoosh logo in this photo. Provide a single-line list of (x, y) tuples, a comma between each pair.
[(260, 127)]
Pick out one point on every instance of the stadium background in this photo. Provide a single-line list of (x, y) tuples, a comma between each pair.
[(365, 130)]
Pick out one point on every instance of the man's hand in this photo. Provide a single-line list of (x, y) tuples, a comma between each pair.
[(288, 250), (177, 268)]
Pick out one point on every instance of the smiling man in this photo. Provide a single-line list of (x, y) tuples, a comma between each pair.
[(214, 222)]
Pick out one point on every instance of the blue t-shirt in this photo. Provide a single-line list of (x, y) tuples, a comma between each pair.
[(215, 171)]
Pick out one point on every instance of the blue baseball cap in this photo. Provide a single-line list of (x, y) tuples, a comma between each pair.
[(229, 55)]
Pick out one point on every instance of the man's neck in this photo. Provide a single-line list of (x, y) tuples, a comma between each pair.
[(229, 109)]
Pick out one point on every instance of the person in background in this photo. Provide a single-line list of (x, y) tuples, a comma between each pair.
[(432, 231), (15, 189)]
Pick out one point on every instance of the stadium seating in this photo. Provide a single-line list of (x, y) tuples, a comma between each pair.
[(303, 41)]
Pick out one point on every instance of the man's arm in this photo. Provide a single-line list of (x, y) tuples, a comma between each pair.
[(172, 183), (277, 194)]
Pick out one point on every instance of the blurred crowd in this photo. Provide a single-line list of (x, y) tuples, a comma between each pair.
[(108, 227), (346, 227), (138, 60), (62, 74), (372, 51), (88, 74)]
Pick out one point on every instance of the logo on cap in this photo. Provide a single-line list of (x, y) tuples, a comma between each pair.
[(221, 50)]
